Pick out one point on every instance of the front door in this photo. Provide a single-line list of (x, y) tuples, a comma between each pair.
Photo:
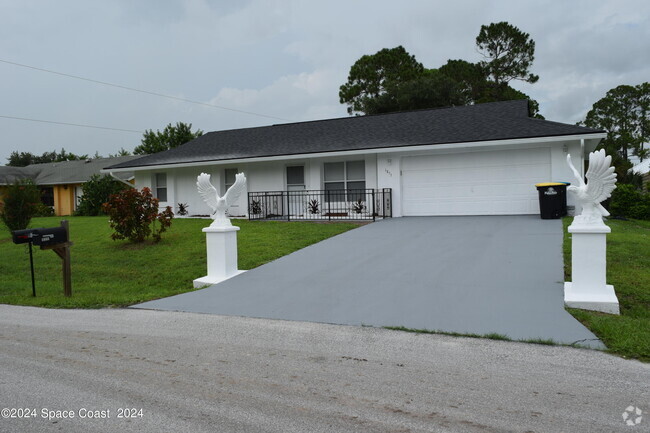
[(295, 184), (78, 193)]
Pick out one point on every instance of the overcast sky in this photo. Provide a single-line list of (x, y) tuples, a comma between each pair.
[(284, 59)]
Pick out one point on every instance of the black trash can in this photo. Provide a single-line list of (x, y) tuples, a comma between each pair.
[(552, 199), (564, 193)]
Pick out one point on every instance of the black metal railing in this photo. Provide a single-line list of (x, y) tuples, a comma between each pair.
[(332, 205)]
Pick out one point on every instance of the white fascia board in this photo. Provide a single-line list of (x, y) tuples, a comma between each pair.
[(72, 182), (591, 144), (465, 145)]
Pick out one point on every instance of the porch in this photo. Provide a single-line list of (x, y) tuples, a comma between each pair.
[(329, 205)]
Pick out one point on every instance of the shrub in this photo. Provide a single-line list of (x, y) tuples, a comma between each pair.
[(358, 206), (43, 210), (134, 215), (313, 206), (182, 209), (630, 202), (641, 210), (21, 201), (96, 192), (256, 207)]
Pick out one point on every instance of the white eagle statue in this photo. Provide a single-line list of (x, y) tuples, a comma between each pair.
[(601, 181), (218, 204)]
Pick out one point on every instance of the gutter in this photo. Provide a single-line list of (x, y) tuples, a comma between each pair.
[(379, 150), (582, 158)]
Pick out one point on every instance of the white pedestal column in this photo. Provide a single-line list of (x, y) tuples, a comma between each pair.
[(221, 243), (588, 289)]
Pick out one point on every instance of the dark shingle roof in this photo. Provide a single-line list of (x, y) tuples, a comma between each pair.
[(481, 122), (64, 172), (9, 175)]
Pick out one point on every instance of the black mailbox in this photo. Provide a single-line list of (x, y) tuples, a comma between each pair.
[(50, 236), (22, 236)]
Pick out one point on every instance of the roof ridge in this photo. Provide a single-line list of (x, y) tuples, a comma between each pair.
[(84, 160), (392, 113), (564, 124), (497, 120)]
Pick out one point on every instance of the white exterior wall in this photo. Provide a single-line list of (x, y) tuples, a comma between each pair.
[(261, 176), (142, 179), (388, 176), (560, 169), (314, 175), (186, 192), (147, 179), (383, 170), (389, 165)]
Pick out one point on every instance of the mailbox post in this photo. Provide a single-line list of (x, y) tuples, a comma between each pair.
[(23, 237), (54, 238), (57, 239)]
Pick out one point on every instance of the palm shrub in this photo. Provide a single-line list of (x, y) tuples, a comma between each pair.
[(313, 206), (134, 215), (21, 202), (182, 209)]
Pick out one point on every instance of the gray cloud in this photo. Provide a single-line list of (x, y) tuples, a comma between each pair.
[(283, 58)]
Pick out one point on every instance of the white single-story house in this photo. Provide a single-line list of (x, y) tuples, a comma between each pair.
[(482, 159)]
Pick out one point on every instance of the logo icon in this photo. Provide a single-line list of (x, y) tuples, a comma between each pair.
[(632, 416), (550, 191)]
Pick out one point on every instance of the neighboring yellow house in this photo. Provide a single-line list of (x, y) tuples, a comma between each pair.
[(61, 182)]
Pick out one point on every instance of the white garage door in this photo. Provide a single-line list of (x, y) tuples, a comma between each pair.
[(476, 183)]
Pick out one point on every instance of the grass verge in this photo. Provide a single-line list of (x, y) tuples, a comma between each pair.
[(490, 336), (107, 273), (628, 270)]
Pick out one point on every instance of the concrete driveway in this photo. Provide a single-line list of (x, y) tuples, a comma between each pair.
[(488, 274)]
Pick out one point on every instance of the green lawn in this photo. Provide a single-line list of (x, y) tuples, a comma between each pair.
[(118, 273), (628, 270)]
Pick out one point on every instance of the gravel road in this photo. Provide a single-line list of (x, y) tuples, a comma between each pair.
[(79, 370)]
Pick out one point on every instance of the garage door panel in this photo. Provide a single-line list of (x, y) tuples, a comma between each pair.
[(478, 174), (469, 190), (503, 206), (484, 183)]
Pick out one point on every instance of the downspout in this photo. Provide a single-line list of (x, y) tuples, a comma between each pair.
[(121, 180), (582, 157)]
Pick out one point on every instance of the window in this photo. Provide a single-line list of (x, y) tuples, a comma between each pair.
[(47, 196), (161, 186), (348, 175), (229, 178)]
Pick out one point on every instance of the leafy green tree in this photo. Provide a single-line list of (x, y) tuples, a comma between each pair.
[(624, 113), (373, 76), (96, 191), (170, 137), (471, 80), (21, 201), (507, 93), (121, 152), (508, 53), (23, 159), (476, 87), (393, 80), (432, 89)]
